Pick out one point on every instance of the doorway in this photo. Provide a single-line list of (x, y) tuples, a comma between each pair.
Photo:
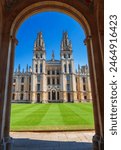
[(38, 97)]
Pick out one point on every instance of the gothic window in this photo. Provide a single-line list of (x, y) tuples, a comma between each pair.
[(65, 68), (58, 81), (48, 72), (83, 79), (22, 79), (68, 78), (64, 55), (53, 72), (40, 68), (84, 87), (53, 95), (68, 87), (69, 68), (48, 81), (38, 78), (36, 55), (41, 55), (36, 68), (22, 88), (57, 71), (53, 81), (38, 87), (68, 55)]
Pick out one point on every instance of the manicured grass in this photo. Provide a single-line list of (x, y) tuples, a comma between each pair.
[(62, 116)]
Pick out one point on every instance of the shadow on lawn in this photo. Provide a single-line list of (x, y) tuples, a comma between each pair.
[(31, 144)]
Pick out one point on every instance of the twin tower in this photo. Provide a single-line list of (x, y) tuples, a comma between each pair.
[(52, 80)]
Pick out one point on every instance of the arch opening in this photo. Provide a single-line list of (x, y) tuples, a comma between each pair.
[(47, 6)]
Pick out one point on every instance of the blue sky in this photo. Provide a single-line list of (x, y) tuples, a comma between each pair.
[(52, 25)]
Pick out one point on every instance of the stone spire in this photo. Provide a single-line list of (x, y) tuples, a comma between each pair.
[(53, 56), (66, 44), (19, 68), (39, 43), (27, 68)]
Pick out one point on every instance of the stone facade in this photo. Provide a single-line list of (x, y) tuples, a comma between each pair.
[(52, 80)]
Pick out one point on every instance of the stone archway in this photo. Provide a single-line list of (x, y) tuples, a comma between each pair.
[(87, 19)]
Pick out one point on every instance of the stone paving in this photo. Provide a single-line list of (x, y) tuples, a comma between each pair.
[(79, 140)]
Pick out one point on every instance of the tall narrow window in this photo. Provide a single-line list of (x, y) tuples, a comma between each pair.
[(38, 78), (69, 68), (68, 87), (40, 68), (83, 79), (36, 68), (22, 79), (53, 72), (58, 81), (48, 81), (53, 81), (57, 71), (65, 68), (48, 72), (84, 87), (38, 87), (22, 88), (68, 78)]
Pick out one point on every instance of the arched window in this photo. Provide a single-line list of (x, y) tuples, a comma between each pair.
[(69, 66), (65, 68), (84, 87), (48, 81), (36, 68), (83, 79), (40, 68)]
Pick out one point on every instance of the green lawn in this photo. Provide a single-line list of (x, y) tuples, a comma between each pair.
[(62, 116)]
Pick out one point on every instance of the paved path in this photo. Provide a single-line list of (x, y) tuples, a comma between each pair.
[(52, 140)]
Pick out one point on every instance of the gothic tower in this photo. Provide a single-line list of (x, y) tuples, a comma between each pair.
[(38, 84), (68, 79)]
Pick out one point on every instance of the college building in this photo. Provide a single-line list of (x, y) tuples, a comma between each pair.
[(52, 80)]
